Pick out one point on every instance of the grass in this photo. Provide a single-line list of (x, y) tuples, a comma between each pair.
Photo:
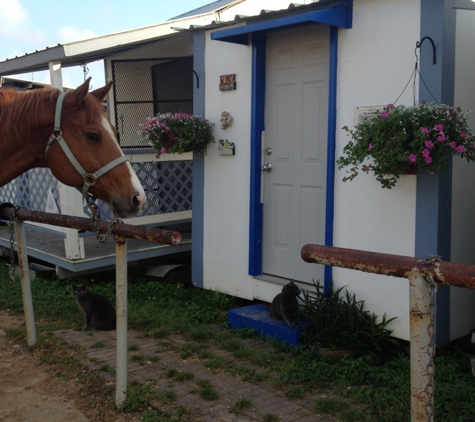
[(97, 345), (140, 359), (269, 417), (368, 388), (206, 390), (239, 405), (179, 376)]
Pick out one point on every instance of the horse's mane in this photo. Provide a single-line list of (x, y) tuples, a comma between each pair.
[(20, 109)]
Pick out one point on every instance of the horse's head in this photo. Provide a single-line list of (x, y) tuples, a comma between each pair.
[(93, 142)]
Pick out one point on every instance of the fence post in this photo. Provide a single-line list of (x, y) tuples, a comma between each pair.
[(420, 318), (121, 329), (25, 283)]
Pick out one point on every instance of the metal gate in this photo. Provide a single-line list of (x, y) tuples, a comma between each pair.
[(144, 88)]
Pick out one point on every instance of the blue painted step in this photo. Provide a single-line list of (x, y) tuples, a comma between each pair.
[(257, 317)]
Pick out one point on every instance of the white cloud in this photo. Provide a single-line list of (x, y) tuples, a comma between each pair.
[(16, 26), (12, 16)]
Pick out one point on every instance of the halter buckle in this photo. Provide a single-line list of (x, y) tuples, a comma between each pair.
[(90, 179)]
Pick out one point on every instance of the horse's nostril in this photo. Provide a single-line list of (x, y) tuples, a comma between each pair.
[(136, 202)]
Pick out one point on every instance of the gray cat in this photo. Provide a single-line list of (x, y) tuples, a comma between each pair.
[(98, 311), (286, 305)]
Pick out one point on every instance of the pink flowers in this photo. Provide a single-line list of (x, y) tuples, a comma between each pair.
[(425, 130), (397, 137), (426, 155), (177, 133)]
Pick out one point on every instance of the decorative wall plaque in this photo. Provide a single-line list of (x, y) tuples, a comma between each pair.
[(363, 112), (226, 120), (226, 148), (227, 82)]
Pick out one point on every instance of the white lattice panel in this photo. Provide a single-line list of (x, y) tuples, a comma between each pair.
[(32, 190), (167, 185)]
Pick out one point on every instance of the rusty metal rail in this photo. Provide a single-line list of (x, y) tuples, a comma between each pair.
[(423, 275), (165, 237), (121, 232), (392, 265)]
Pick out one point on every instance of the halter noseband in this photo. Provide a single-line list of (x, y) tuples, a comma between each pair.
[(89, 179)]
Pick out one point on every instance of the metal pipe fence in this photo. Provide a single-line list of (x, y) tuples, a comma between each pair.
[(424, 275), (120, 232)]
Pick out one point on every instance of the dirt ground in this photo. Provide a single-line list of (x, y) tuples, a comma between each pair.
[(29, 393)]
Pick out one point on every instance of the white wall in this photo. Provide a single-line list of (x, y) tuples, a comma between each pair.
[(227, 178), (375, 61), (462, 317)]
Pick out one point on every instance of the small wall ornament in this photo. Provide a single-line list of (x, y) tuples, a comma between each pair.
[(227, 82), (226, 120), (226, 148)]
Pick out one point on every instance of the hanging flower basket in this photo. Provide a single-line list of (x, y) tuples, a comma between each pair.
[(177, 133), (391, 142)]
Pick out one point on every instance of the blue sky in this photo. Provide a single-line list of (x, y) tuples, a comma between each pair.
[(29, 25)]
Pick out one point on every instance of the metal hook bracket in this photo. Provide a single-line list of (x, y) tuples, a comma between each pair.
[(196, 75), (419, 44)]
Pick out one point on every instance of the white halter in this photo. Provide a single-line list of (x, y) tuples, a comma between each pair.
[(89, 179)]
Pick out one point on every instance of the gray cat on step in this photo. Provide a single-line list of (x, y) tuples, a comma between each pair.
[(286, 305)]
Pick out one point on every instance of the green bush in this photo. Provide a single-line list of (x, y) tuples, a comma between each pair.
[(338, 320)]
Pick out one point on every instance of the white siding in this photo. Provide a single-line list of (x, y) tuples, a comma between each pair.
[(376, 58), (227, 178), (462, 317)]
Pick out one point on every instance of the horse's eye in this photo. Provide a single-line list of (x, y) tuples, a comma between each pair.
[(92, 137)]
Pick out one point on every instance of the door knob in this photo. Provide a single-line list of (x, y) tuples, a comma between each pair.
[(267, 167)]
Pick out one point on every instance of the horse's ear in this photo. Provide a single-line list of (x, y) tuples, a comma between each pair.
[(76, 96), (101, 93)]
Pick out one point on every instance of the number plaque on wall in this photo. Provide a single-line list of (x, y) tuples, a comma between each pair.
[(227, 82)]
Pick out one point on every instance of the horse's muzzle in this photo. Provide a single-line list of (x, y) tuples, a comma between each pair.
[(131, 209)]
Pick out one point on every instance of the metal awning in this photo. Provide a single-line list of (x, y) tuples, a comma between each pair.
[(330, 12), (88, 50)]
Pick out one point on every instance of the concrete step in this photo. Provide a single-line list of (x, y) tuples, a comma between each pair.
[(257, 317)]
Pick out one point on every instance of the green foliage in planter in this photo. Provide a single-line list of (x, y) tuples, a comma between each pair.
[(338, 320), (177, 132), (425, 135)]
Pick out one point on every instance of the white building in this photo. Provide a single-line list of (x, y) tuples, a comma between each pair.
[(301, 72)]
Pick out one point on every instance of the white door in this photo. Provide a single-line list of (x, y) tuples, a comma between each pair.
[(295, 143)]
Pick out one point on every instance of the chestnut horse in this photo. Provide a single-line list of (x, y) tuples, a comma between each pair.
[(68, 133)]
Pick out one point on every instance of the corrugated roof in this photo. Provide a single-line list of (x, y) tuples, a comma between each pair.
[(265, 14), (97, 48), (211, 7)]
